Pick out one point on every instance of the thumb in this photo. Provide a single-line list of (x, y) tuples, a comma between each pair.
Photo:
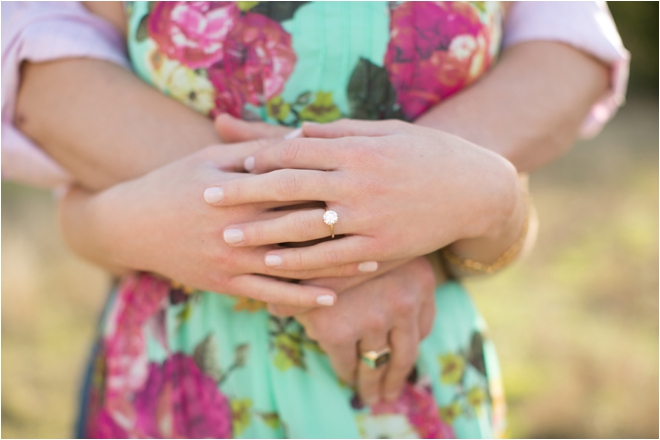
[(351, 127), (232, 130)]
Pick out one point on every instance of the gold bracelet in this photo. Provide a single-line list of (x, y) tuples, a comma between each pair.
[(472, 266), (182, 287)]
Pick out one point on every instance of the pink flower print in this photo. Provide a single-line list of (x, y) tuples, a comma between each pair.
[(257, 63), (417, 403), (104, 426), (192, 32), (432, 51), (140, 300), (178, 400)]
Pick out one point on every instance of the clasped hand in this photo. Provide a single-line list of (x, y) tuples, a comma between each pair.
[(400, 191)]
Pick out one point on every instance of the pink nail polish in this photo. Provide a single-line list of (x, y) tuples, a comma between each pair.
[(213, 195), (368, 266), (249, 164), (273, 260), (325, 300)]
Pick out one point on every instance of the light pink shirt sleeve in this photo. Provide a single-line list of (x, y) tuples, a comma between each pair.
[(37, 32), (587, 26)]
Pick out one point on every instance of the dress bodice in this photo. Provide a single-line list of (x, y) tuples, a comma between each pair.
[(289, 62)]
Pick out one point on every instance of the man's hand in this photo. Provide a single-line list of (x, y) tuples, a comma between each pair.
[(396, 309)]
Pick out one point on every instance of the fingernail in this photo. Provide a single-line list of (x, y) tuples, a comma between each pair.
[(325, 300), (213, 195), (249, 164), (294, 134), (310, 123), (233, 236), (370, 401), (368, 266), (273, 260)]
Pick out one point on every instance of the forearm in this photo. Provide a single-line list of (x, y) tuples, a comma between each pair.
[(529, 107), (104, 124)]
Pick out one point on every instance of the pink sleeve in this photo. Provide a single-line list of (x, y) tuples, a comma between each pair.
[(587, 26), (38, 32)]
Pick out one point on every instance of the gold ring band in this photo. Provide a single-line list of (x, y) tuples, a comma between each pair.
[(374, 359)]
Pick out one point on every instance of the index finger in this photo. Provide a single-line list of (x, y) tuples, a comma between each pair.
[(272, 291), (300, 153)]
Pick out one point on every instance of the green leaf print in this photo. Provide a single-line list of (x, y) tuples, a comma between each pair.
[(475, 355), (323, 109), (475, 397), (271, 419), (288, 353), (277, 108), (453, 366), (246, 6), (240, 415), (141, 34), (449, 412), (206, 357), (370, 93), (278, 11), (240, 355), (303, 98)]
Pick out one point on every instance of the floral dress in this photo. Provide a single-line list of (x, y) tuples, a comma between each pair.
[(174, 363)]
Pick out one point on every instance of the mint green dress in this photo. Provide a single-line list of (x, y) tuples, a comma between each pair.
[(175, 363)]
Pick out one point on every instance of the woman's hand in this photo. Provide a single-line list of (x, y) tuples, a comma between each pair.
[(141, 223), (399, 190), (396, 310)]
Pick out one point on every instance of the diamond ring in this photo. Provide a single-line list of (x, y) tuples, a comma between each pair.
[(330, 218)]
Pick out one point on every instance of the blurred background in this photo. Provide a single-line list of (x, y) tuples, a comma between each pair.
[(576, 324)]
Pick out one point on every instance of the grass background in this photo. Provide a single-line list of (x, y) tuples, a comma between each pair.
[(576, 324)]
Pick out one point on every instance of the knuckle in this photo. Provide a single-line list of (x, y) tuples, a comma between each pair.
[(376, 323), (254, 234), (340, 336), (406, 303), (290, 151), (331, 258), (304, 226), (296, 261), (288, 184)]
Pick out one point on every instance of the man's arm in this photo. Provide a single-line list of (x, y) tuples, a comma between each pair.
[(529, 107), (102, 123)]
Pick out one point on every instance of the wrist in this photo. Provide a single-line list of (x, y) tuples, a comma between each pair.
[(504, 201)]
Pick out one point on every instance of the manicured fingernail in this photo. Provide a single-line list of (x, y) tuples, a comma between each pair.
[(368, 266), (249, 164), (325, 300), (370, 401), (233, 236), (294, 134), (213, 195), (273, 260)]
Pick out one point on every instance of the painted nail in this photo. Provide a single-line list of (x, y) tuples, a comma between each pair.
[(368, 266), (249, 164), (294, 134), (273, 260), (325, 300), (233, 236), (213, 195)]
